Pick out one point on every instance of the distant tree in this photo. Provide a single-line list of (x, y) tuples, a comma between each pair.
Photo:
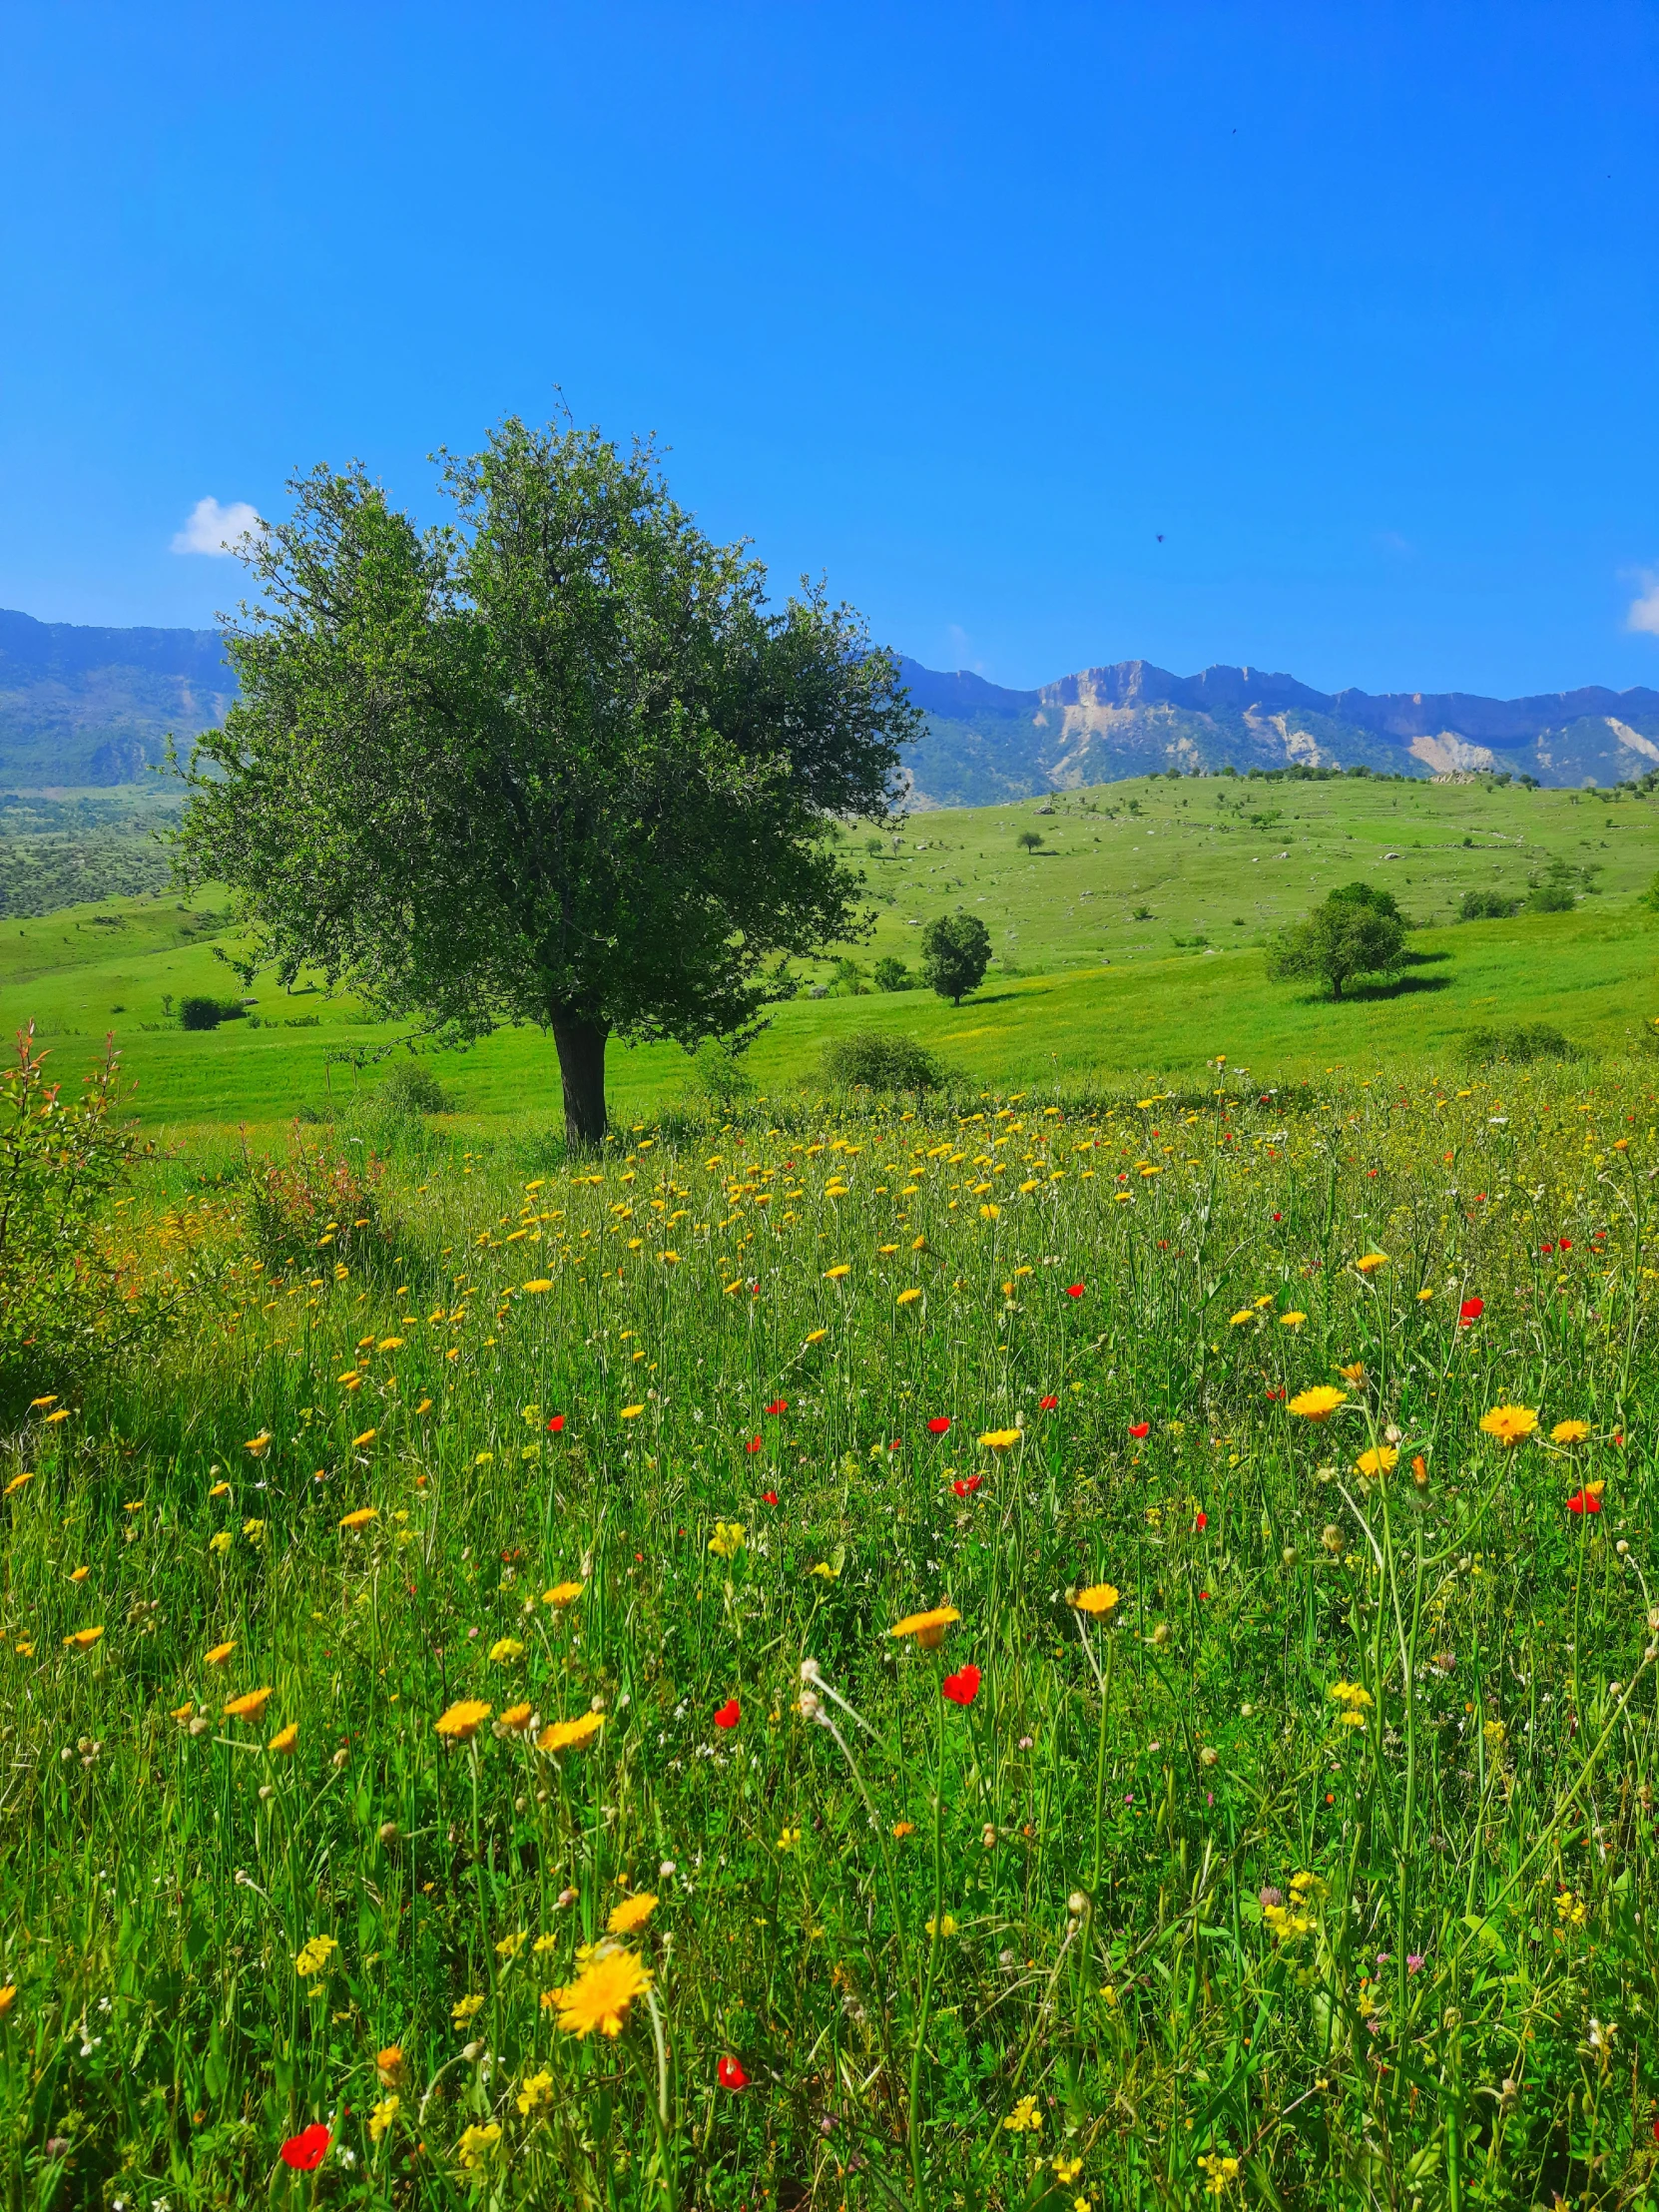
[(890, 974), (562, 764), (1650, 897), (955, 952), (1342, 937), (1030, 839), (1369, 894)]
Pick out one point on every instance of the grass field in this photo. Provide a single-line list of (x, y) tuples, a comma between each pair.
[(1080, 991), (828, 1656)]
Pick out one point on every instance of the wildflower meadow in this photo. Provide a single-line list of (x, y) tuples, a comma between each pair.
[(1037, 1651)]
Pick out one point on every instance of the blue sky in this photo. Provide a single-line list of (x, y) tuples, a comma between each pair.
[(961, 304)]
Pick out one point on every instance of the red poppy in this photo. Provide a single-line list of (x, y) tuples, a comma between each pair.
[(730, 2075), (728, 1714), (305, 2151), (1278, 1217), (1047, 1405), (1470, 1310), (1546, 1248), (753, 1444), (895, 1445), (1074, 1290), (1581, 1501), (777, 1406), (1564, 1244), (768, 1497), (1140, 1428), (1275, 1393), (939, 1424), (1203, 1598), (1202, 1522), (555, 1424), (963, 1687), (966, 1485)]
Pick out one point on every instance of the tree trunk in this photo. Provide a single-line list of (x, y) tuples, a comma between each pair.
[(581, 1049)]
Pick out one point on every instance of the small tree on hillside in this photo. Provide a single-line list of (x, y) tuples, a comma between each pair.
[(955, 952), (1030, 839), (560, 764), (1345, 936)]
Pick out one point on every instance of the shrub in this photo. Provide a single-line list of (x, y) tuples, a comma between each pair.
[(412, 1088), (1550, 898), (873, 1059), (1486, 906), (67, 1297), (720, 1075), (1535, 1040), (319, 1208), (891, 974), (200, 1013)]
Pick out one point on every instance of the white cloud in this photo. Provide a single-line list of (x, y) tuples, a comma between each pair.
[(215, 529), (1644, 609)]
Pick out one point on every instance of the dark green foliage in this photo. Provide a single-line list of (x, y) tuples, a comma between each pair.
[(196, 1012), (891, 974), (1032, 839), (955, 952), (561, 763), (1486, 906), (873, 1059), (412, 1088), (1356, 931), (1537, 1040)]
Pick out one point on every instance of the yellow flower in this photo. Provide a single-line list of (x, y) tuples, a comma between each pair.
[(79, 1574), (259, 1444), (1380, 1460), (1220, 2171), (477, 2146), (788, 1839), (221, 1542), (1569, 1432), (284, 1739), (573, 1735), (632, 1914), (990, 1211), (219, 1654), (368, 1437), (62, 1413), (35, 1403), (361, 1517), (17, 1481), (505, 1649), (601, 1994), (945, 1926), (1317, 1403), (542, 1283), (220, 1490), (1509, 1424), (516, 1717), (1066, 2170), (182, 1712), (463, 1720), (250, 1706), (727, 1541), (840, 1268), (83, 1639), (1350, 1694), (8, 1998), (390, 2067), (510, 1946), (1354, 1371), (909, 1297), (316, 1955), (1368, 1262), (1292, 1320), (1000, 1439), (1024, 2118), (1099, 1599), (817, 1335), (904, 1828), (632, 1413), (466, 2009), (1237, 1319), (382, 2117), (253, 1531), (927, 1628), (536, 2092), (561, 1595)]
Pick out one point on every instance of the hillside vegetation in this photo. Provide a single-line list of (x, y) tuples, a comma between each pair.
[(1081, 990)]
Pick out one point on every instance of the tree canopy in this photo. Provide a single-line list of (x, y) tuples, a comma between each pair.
[(955, 952), (558, 761)]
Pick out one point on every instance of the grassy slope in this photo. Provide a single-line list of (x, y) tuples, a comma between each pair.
[(1098, 995)]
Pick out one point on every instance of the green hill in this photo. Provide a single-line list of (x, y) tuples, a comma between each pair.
[(1083, 990)]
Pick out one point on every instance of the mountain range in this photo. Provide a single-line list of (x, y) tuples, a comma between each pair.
[(81, 706)]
